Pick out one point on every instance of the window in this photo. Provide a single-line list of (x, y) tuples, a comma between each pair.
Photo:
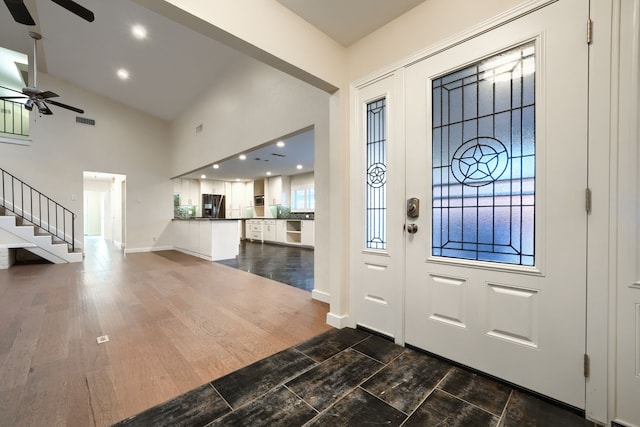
[(376, 176), (303, 199), (484, 160)]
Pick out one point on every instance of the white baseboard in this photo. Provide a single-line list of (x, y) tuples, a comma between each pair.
[(136, 250), (162, 248), (149, 249), (321, 296), (337, 321)]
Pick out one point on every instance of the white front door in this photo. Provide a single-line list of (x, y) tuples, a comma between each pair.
[(496, 131)]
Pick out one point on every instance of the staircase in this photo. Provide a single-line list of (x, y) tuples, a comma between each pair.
[(33, 221)]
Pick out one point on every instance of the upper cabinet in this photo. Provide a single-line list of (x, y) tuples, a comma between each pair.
[(258, 187), (209, 186), (273, 194), (189, 190)]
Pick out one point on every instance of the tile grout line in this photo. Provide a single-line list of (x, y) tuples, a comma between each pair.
[(504, 410), (471, 404), (279, 384), (221, 397), (428, 394), (384, 365)]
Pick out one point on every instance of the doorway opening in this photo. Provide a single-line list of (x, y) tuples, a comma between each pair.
[(104, 203)]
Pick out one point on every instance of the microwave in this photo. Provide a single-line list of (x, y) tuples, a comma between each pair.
[(259, 200)]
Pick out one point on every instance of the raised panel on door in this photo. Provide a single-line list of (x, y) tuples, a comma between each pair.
[(377, 218), (496, 144)]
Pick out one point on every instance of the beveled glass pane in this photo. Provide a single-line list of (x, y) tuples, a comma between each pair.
[(484, 160)]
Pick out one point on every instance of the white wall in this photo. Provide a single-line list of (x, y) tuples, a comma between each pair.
[(123, 141), (250, 105), (302, 179)]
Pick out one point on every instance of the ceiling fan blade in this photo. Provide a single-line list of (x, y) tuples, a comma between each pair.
[(68, 107), (74, 7), (47, 94), (19, 12), (12, 90), (12, 97)]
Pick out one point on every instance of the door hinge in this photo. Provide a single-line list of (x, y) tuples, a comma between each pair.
[(587, 200), (586, 365), (589, 31)]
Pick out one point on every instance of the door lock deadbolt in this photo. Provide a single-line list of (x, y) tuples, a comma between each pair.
[(413, 207)]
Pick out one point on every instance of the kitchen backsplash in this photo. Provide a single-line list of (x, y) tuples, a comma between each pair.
[(184, 212)]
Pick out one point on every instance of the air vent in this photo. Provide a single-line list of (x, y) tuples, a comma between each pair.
[(85, 121)]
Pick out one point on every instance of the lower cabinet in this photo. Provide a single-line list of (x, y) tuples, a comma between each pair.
[(254, 230), (212, 240), (269, 230), (307, 230), (296, 232)]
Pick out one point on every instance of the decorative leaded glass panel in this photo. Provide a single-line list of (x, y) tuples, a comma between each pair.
[(484, 160), (376, 200)]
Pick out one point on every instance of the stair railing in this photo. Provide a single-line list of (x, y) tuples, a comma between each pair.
[(41, 211), (14, 118)]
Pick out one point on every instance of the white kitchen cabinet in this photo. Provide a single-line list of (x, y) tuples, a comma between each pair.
[(307, 232), (273, 194), (189, 190), (269, 230), (181, 234), (211, 240), (194, 236), (281, 230), (254, 230), (235, 194), (210, 186)]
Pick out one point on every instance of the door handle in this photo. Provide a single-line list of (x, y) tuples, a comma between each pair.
[(412, 228)]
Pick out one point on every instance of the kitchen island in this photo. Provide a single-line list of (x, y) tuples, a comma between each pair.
[(212, 239)]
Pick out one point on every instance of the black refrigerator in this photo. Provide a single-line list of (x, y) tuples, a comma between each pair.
[(213, 206)]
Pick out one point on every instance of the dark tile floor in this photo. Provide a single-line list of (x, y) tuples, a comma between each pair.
[(349, 377), (287, 264)]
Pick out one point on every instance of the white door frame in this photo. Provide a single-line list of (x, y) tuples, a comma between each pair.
[(603, 152)]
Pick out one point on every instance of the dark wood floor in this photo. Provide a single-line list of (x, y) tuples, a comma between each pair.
[(174, 322)]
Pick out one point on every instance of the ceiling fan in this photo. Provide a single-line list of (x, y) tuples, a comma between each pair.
[(36, 97), (21, 14)]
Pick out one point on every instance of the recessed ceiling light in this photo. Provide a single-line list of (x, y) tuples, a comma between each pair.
[(299, 167), (139, 32), (203, 176), (216, 166), (123, 74), (268, 173), (280, 144), (242, 157), (238, 179)]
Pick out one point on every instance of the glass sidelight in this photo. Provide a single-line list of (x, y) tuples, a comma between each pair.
[(376, 176), (484, 159)]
